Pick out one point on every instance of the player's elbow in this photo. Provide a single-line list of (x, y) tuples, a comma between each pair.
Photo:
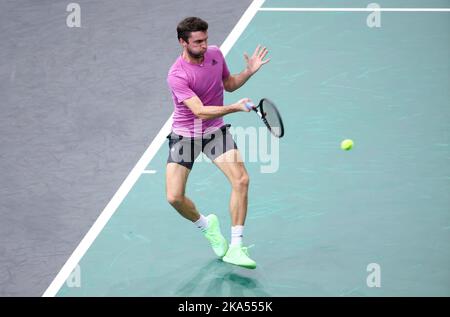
[(228, 88), (197, 108), (203, 117), (229, 85), (201, 114)]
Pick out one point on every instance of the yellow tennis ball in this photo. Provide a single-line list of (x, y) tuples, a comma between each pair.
[(346, 144)]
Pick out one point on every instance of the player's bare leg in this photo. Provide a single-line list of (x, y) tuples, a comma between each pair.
[(176, 179), (231, 164)]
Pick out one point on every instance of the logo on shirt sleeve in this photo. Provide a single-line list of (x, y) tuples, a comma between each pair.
[(214, 62)]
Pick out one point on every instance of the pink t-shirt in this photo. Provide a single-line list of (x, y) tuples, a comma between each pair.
[(204, 80)]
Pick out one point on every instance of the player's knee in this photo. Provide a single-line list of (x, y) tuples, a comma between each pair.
[(175, 199), (242, 181)]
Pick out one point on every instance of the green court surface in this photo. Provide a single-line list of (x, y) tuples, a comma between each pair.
[(325, 214)]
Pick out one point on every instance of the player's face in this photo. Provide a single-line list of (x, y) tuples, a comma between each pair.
[(197, 45)]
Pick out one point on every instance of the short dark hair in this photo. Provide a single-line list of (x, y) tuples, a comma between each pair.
[(188, 25)]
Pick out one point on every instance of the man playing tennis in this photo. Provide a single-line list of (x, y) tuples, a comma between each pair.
[(197, 80)]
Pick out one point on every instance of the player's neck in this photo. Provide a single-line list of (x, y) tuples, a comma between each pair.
[(190, 59)]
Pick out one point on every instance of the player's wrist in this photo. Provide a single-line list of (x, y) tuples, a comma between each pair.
[(236, 107), (248, 72)]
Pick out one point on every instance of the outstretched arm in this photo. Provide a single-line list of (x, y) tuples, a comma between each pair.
[(210, 111), (254, 63)]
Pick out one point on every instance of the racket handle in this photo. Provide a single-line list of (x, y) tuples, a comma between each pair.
[(249, 105)]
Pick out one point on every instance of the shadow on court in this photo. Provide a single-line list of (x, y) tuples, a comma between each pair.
[(223, 282)]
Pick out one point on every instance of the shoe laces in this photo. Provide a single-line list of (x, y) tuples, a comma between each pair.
[(245, 249)]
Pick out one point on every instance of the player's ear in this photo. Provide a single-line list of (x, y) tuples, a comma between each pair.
[(182, 42)]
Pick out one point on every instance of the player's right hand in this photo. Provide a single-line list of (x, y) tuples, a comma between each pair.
[(242, 105)]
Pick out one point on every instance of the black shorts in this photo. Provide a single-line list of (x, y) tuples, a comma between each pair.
[(184, 150)]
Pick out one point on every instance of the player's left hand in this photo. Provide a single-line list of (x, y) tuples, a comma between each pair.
[(255, 62)]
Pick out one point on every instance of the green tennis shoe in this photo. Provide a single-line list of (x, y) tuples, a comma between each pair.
[(238, 255), (218, 243)]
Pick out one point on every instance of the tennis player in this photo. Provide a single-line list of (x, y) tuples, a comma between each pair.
[(197, 80)]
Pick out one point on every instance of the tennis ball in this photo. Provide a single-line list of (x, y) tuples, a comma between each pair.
[(346, 144)]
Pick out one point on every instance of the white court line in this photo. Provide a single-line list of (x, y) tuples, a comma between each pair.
[(356, 9), (149, 172), (138, 169)]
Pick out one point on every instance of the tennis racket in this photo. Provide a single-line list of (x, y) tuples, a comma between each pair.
[(270, 115)]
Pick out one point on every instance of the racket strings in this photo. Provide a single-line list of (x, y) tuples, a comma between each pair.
[(271, 118)]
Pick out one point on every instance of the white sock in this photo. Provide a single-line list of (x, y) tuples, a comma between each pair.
[(236, 235), (202, 222)]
